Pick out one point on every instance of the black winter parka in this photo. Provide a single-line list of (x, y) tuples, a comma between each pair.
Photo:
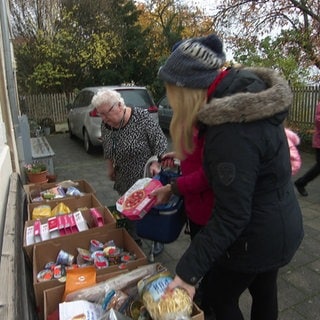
[(256, 224)]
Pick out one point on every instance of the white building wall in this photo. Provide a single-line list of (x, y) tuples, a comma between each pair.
[(9, 161), (5, 156)]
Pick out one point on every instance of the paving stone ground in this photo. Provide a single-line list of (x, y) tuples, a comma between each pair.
[(299, 282)]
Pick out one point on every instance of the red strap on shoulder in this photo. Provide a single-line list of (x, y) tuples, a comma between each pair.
[(216, 81)]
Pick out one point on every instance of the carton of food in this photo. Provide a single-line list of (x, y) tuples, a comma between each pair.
[(137, 202)]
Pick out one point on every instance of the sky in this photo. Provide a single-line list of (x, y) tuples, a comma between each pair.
[(207, 5)]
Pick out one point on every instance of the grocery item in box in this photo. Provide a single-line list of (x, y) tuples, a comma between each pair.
[(136, 202), (97, 217), (53, 193), (60, 208), (53, 227), (30, 235), (162, 305), (37, 230), (80, 310), (44, 232), (81, 223), (73, 191), (42, 211), (67, 224), (73, 225), (61, 227)]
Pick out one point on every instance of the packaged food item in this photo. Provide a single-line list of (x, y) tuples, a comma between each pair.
[(60, 208), (53, 193), (162, 304), (114, 299), (79, 278), (73, 191), (42, 211), (45, 275), (80, 309), (136, 202), (68, 183), (97, 292)]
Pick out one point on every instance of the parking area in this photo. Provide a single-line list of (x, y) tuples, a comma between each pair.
[(299, 282)]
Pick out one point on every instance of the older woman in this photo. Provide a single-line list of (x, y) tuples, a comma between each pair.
[(130, 137)]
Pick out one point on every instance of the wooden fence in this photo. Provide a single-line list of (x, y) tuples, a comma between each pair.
[(302, 112), (53, 106), (46, 106)]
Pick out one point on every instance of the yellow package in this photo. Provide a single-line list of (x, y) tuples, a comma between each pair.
[(42, 211), (60, 208)]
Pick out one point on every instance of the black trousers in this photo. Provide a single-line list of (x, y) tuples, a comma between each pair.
[(312, 173), (223, 288)]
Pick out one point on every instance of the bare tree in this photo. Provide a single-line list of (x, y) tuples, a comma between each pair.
[(30, 16), (296, 23)]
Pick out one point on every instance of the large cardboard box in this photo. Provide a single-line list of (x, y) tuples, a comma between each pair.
[(52, 297), (109, 222), (34, 190), (46, 252), (77, 203)]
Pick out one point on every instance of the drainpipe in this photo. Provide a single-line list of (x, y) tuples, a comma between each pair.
[(16, 147)]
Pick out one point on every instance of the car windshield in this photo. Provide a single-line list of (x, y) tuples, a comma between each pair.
[(136, 98)]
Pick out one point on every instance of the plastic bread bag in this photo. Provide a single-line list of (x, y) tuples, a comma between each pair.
[(60, 208), (114, 315), (82, 310), (68, 183), (42, 211), (163, 305), (115, 299), (97, 292)]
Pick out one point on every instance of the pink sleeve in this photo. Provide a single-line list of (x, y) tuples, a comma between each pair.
[(293, 141), (193, 182)]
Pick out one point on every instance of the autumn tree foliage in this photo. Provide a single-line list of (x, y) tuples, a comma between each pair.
[(167, 22), (86, 43), (61, 45)]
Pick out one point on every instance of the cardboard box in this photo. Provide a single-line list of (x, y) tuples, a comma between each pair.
[(34, 190), (52, 297), (76, 203), (109, 222), (46, 252), (197, 313)]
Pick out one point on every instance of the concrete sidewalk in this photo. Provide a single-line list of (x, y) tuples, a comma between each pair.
[(299, 282)]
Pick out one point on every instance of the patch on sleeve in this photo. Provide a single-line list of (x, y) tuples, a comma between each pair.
[(226, 172)]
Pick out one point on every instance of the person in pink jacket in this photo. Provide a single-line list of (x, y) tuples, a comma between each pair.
[(293, 142), (314, 171), (192, 185)]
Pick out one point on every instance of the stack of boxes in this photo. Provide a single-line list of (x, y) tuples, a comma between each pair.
[(82, 219)]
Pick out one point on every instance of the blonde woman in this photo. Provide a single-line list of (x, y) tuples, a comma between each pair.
[(256, 224)]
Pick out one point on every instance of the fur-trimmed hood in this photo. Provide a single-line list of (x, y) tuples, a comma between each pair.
[(248, 106)]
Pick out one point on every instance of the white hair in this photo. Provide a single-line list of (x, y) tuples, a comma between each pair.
[(107, 96)]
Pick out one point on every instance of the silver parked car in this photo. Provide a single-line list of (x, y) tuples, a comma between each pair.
[(165, 113), (84, 122)]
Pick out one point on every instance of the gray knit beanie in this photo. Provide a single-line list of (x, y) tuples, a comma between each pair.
[(194, 63)]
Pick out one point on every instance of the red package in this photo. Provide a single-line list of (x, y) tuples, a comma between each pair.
[(136, 202)]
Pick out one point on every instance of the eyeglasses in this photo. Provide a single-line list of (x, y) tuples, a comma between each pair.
[(111, 108), (107, 112)]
